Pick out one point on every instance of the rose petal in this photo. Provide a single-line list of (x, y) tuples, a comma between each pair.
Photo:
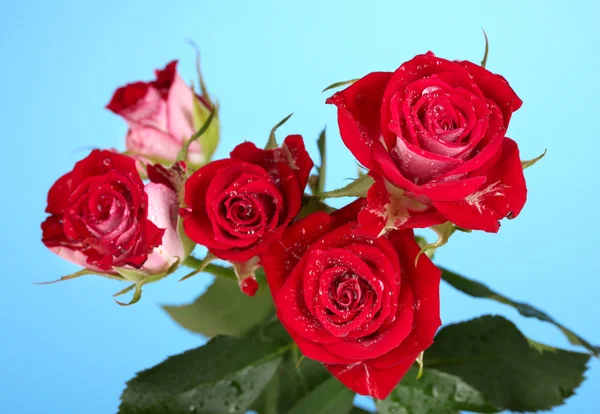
[(359, 114), (282, 257), (162, 211), (291, 308), (504, 193), (496, 88), (365, 379), (384, 339), (180, 107), (151, 142)]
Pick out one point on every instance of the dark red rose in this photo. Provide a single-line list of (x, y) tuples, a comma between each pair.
[(436, 130), (357, 304), (240, 204), (99, 213)]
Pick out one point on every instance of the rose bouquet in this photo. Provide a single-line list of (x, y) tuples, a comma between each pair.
[(311, 305)]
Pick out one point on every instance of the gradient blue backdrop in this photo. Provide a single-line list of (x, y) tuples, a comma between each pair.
[(68, 348)]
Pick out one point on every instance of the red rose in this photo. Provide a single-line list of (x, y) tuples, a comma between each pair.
[(436, 129), (99, 216), (355, 303), (239, 204)]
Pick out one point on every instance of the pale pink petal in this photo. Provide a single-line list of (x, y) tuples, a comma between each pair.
[(150, 111), (152, 143), (162, 211), (180, 109), (74, 256)]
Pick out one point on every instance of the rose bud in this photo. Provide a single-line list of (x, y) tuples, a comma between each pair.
[(237, 206), (359, 305), (435, 130), (103, 217), (160, 115)]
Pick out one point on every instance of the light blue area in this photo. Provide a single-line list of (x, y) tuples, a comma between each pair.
[(68, 348)]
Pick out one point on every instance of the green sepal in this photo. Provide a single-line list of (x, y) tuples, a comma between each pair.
[(487, 49), (339, 84), (79, 273), (272, 142), (357, 188), (183, 153), (210, 139), (321, 145), (528, 163), (137, 286), (203, 89), (443, 231), (130, 274), (200, 266)]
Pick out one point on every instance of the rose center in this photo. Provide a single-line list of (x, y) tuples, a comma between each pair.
[(348, 291), (242, 211)]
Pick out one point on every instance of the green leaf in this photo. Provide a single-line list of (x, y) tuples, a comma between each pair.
[(528, 163), (338, 84), (182, 156), (435, 392), (487, 49), (492, 356), (224, 376), (295, 378), (357, 188), (356, 410), (311, 205), (272, 143), (321, 144), (479, 290), (298, 377), (223, 310), (330, 397), (209, 140)]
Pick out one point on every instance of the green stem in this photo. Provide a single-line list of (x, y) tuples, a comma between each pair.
[(215, 270)]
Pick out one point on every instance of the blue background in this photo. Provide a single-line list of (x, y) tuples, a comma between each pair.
[(68, 348)]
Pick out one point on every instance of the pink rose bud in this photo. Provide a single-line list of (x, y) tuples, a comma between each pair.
[(162, 115), (103, 217)]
